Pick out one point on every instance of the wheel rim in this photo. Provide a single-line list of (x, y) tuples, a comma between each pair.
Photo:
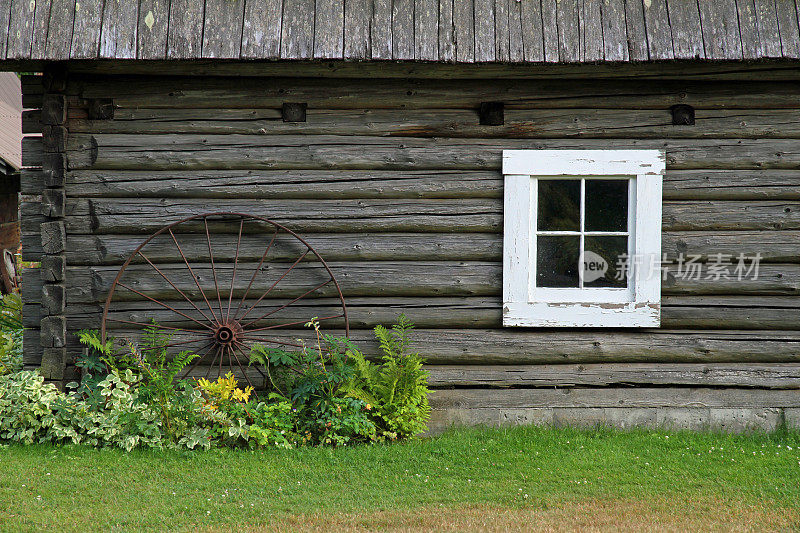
[(202, 300)]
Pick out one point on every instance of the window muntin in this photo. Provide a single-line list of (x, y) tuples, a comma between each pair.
[(576, 215)]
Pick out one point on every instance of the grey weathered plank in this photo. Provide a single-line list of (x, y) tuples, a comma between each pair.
[(774, 376), (774, 247), (59, 35), (118, 37), (720, 25), (788, 27), (152, 29), (638, 49), (447, 38), (108, 215), (485, 47), (502, 31), (615, 397), (186, 151), (515, 32), (615, 36), (543, 123), (329, 29), (748, 29), (463, 31), (261, 29), (222, 29), (403, 29), (659, 33), (569, 36), (357, 24), (41, 23), (381, 29), (185, 29), (5, 13), (20, 29), (322, 184), (550, 31), (494, 346), (86, 29), (320, 93), (591, 26), (532, 31), (687, 35), (297, 29), (711, 312), (767, 22), (426, 30)]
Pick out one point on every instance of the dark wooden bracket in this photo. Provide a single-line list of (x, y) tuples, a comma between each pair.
[(682, 115), (294, 112), (492, 113), (101, 109)]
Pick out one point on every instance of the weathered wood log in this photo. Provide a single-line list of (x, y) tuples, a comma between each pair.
[(53, 268), (774, 246), (771, 376), (32, 151), (614, 397), (112, 215), (385, 279), (678, 185), (712, 312), (503, 347), (537, 123), (188, 151)]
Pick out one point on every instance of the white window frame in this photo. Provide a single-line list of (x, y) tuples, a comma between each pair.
[(638, 305)]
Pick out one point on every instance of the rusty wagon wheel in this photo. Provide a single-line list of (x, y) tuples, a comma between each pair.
[(217, 284)]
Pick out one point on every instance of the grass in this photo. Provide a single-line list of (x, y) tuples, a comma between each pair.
[(526, 477)]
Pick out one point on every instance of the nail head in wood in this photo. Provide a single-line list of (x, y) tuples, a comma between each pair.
[(682, 115), (492, 113), (294, 112)]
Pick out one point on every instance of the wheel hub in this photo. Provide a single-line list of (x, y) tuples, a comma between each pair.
[(227, 334)]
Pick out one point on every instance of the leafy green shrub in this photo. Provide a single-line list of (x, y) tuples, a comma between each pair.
[(344, 397), (398, 388), (10, 334)]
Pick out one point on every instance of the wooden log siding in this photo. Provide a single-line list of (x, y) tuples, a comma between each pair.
[(396, 184)]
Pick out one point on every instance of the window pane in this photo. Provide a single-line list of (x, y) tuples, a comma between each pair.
[(559, 205), (607, 205), (603, 262), (557, 261)]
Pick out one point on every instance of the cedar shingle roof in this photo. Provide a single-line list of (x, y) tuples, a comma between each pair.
[(516, 31)]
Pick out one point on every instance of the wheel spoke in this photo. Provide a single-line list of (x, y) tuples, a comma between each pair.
[(158, 326), (238, 346), (288, 304), (194, 277), (214, 360), (255, 273), (277, 326), (173, 285), (244, 373), (235, 264), (210, 346), (276, 282), (213, 267), (163, 305)]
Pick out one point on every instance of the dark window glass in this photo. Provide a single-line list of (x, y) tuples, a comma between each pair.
[(559, 205), (601, 262), (606, 205), (557, 261)]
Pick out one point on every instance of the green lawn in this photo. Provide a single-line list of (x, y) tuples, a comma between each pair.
[(493, 479)]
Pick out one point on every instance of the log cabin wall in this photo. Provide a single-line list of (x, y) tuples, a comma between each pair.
[(398, 186)]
